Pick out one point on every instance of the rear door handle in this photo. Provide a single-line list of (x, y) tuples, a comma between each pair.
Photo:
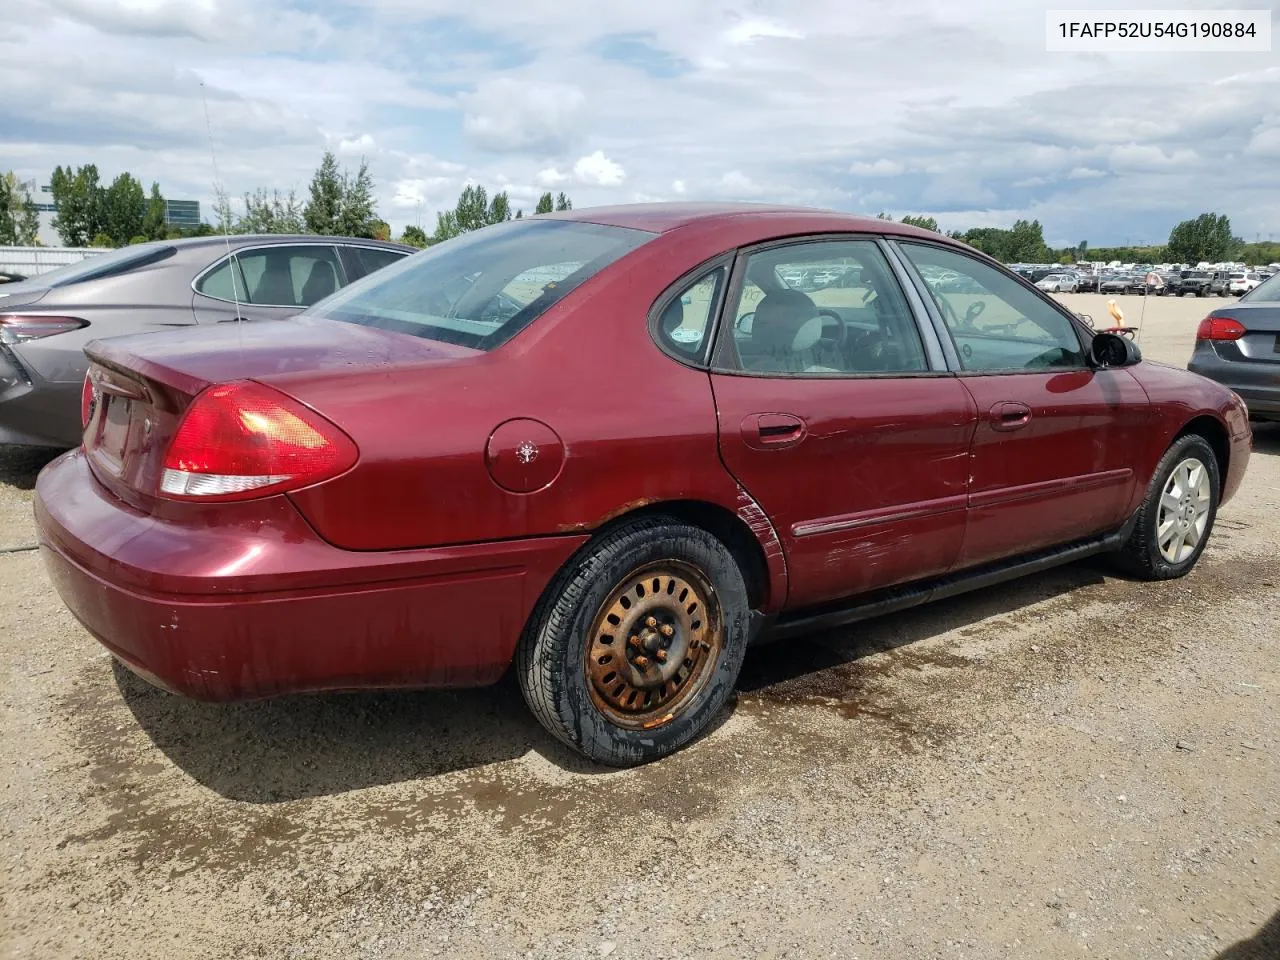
[(769, 431), (1008, 415)]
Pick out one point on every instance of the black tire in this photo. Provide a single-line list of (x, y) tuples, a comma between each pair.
[(1141, 557), (551, 661)]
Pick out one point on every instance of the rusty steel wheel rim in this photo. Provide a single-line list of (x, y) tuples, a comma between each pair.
[(654, 644)]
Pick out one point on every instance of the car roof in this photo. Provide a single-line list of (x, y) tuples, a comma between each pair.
[(664, 217), (255, 239)]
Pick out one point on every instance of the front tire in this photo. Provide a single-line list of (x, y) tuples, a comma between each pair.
[(637, 644), (1177, 516)]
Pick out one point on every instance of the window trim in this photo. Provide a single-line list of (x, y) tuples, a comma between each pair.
[(1076, 325), (236, 251), (721, 261), (936, 364)]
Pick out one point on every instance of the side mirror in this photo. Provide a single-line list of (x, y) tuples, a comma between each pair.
[(1113, 350)]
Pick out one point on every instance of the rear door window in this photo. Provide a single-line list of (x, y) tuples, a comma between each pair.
[(294, 275)]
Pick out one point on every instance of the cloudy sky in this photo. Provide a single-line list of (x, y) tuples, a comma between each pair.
[(947, 107)]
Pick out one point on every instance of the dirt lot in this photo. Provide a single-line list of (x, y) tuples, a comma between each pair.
[(1073, 765)]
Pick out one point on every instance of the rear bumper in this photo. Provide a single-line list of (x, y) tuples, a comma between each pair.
[(1257, 383), (249, 602)]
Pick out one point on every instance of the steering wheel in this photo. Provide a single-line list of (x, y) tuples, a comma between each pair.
[(839, 339), (743, 323)]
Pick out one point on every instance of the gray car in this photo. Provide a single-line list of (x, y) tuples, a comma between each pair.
[(46, 321), (1239, 346)]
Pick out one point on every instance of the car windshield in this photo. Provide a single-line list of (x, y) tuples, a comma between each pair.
[(479, 290), (1266, 292), (106, 264)]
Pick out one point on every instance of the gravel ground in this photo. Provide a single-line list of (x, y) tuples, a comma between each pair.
[(1072, 765)]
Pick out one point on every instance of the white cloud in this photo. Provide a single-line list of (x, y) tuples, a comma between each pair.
[(1085, 173), (598, 170), (507, 115), (677, 186), (879, 168), (749, 30), (551, 177), (358, 145)]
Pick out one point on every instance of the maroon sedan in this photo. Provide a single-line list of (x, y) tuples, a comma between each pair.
[(615, 446)]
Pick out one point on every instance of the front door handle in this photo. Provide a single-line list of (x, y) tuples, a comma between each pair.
[(769, 431), (1009, 415)]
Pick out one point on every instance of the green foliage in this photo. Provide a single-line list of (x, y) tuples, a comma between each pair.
[(921, 221), (1206, 238), (101, 240), (79, 200), (123, 209), (415, 236), (153, 225), (545, 204), (499, 208), (1024, 243), (19, 221), (321, 214), (138, 239), (883, 216), (224, 216), (270, 213), (520, 214), (472, 210), (357, 207), (562, 202), (446, 226)]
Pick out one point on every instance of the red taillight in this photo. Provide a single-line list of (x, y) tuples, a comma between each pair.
[(86, 401), (242, 440), (18, 328), (1220, 328)]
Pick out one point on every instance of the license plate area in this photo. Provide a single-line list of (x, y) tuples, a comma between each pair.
[(114, 439)]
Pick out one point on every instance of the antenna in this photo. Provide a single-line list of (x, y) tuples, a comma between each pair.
[(221, 195)]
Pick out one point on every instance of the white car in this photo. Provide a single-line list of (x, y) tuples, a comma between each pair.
[(1059, 283), (1241, 283)]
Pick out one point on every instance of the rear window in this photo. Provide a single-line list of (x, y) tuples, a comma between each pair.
[(107, 264), (479, 290)]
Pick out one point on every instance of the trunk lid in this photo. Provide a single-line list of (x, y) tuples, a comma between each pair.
[(143, 383), (21, 294), (1261, 342)]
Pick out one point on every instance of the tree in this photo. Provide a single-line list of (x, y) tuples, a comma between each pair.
[(154, 226), (100, 240), (356, 209), (19, 221), (562, 202), (123, 209), (226, 220), (545, 204), (321, 213), (883, 216), (922, 221), (446, 227), (472, 210), (1026, 243), (1207, 238), (78, 198), (520, 214), (414, 236), (274, 213), (499, 208)]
